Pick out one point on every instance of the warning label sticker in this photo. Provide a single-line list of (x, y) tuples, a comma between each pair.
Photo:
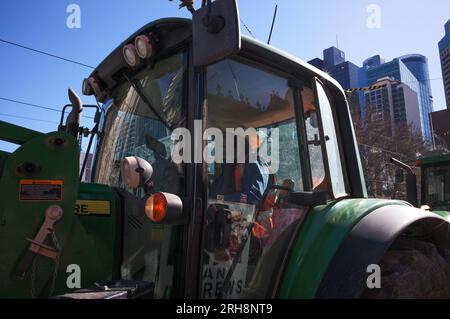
[(40, 190)]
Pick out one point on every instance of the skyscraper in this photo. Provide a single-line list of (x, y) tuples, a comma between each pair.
[(332, 57), (418, 65), (373, 62), (440, 122), (444, 51), (398, 70), (394, 103), (369, 63), (345, 72), (318, 63)]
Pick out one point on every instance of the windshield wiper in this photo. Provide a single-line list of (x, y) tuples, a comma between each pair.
[(138, 90)]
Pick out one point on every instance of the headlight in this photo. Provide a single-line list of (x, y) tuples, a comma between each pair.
[(130, 55), (87, 88), (135, 171), (144, 46)]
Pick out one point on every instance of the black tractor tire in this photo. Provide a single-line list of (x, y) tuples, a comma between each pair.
[(413, 269)]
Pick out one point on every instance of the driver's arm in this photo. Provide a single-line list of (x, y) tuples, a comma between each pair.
[(253, 185)]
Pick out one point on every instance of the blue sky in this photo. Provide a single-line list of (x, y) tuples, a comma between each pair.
[(303, 28)]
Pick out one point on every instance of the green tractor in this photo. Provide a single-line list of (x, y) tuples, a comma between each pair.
[(434, 182), (293, 223), (435, 173)]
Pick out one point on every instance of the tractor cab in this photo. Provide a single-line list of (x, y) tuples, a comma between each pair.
[(248, 141), (435, 173), (223, 168)]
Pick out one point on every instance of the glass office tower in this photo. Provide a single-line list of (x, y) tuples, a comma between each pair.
[(418, 65), (444, 51), (397, 70)]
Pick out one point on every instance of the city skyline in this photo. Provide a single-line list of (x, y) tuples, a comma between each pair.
[(411, 70)]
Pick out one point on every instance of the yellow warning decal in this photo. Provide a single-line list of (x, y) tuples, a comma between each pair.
[(92, 207)]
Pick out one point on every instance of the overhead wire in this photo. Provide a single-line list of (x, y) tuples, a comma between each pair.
[(46, 53), (37, 106)]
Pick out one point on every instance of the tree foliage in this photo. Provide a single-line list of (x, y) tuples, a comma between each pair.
[(379, 140)]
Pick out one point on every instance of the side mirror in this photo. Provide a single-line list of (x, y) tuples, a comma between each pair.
[(411, 182), (399, 177), (136, 172), (216, 32)]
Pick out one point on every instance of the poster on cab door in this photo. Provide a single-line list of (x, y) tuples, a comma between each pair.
[(231, 223)]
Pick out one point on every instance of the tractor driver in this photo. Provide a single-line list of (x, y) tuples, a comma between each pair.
[(243, 182)]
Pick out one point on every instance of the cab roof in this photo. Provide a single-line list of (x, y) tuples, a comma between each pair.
[(110, 69), (434, 159)]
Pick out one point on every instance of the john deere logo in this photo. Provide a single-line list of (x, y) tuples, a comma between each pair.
[(92, 207)]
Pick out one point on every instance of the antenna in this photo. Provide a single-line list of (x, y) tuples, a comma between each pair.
[(337, 41), (273, 22)]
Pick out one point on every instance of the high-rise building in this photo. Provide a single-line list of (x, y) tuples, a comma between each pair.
[(332, 57), (440, 122), (444, 51), (398, 70), (345, 72), (393, 103), (373, 62), (369, 63), (418, 65), (318, 63)]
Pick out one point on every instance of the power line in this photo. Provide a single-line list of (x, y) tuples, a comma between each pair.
[(46, 53), (38, 106), (29, 104), (248, 29), (27, 118)]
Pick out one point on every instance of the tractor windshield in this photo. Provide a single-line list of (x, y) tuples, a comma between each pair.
[(145, 111), (437, 187)]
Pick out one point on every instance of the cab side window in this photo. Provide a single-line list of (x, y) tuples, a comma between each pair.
[(322, 137), (331, 142), (316, 159)]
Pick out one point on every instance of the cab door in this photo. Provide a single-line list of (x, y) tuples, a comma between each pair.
[(248, 222)]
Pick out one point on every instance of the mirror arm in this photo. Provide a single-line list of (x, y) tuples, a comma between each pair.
[(93, 133)]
